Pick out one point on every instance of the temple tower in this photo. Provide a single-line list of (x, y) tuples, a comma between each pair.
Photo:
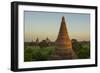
[(63, 44), (63, 40)]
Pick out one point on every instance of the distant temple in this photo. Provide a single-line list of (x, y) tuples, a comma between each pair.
[(63, 44)]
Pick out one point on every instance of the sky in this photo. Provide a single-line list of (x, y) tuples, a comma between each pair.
[(47, 24)]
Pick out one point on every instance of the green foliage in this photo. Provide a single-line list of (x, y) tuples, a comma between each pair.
[(84, 53), (28, 54), (43, 44), (81, 49), (76, 46), (44, 51), (37, 53)]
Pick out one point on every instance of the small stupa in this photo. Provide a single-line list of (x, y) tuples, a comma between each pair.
[(63, 44)]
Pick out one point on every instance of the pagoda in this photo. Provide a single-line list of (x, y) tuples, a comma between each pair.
[(63, 40), (63, 44)]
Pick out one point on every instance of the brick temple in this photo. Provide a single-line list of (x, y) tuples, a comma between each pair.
[(63, 44)]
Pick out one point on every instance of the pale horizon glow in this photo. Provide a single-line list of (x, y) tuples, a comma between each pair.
[(46, 24)]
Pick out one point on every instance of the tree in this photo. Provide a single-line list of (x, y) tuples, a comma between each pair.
[(43, 44), (76, 45), (27, 54), (80, 49)]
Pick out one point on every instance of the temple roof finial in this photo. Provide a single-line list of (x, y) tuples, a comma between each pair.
[(63, 18)]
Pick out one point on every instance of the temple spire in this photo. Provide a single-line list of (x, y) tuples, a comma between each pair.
[(63, 39), (63, 44), (63, 19)]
